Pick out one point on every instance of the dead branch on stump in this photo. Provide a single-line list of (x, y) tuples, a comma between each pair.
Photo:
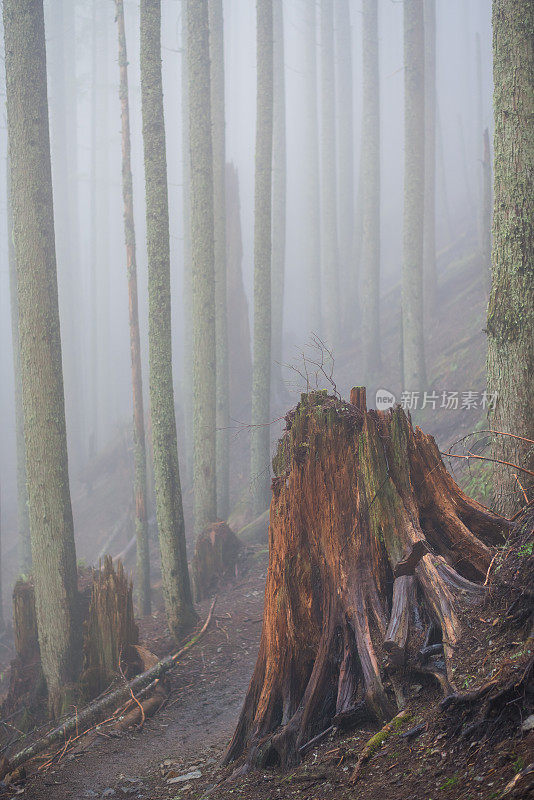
[(371, 541)]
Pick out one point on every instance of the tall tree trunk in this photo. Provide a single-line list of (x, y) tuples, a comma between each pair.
[(140, 490), (51, 525), (61, 155), (370, 182), (343, 44), (311, 246), (203, 264), (414, 200), (279, 191), (429, 235), (169, 511), (511, 306), (23, 518), (187, 305), (93, 418), (261, 369), (330, 265), (239, 332), (216, 23), (442, 175)]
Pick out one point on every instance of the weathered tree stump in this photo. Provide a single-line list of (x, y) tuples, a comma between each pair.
[(25, 622), (214, 560), (370, 541), (109, 629)]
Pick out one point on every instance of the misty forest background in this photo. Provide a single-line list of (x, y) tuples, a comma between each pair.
[(379, 126)]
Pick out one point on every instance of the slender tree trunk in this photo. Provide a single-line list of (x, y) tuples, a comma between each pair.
[(343, 43), (188, 278), (169, 511), (61, 154), (216, 23), (511, 306), (311, 246), (23, 519), (370, 182), (330, 261), (429, 236), (465, 167), (140, 490), (93, 304), (203, 264), (442, 175), (479, 148), (279, 191), (261, 370), (414, 188), (51, 525)]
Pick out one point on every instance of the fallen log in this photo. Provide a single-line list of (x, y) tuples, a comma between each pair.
[(97, 707)]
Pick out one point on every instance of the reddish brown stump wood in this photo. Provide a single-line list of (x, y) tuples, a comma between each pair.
[(214, 560), (367, 533)]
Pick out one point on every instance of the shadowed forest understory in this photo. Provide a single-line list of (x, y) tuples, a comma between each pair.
[(267, 357)]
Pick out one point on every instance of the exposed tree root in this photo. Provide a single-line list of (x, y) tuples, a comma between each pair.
[(377, 741), (371, 542)]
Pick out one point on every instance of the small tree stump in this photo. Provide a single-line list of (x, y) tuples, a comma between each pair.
[(109, 630), (214, 560), (25, 622)]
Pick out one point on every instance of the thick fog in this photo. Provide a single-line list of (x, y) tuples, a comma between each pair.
[(86, 161)]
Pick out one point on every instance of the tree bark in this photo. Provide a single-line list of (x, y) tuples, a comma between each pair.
[(51, 524), (23, 518), (511, 306), (261, 369), (188, 277), (414, 188), (216, 24), (370, 193), (330, 256), (487, 190), (169, 511), (360, 501), (140, 489), (203, 265)]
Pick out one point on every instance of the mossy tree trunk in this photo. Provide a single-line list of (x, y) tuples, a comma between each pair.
[(23, 518), (370, 192), (311, 245), (329, 257), (203, 264), (511, 306), (279, 192), (364, 518), (140, 486), (261, 369), (429, 234), (169, 511), (345, 145), (216, 24), (51, 524), (414, 197)]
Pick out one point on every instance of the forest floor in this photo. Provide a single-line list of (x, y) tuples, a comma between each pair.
[(189, 733)]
